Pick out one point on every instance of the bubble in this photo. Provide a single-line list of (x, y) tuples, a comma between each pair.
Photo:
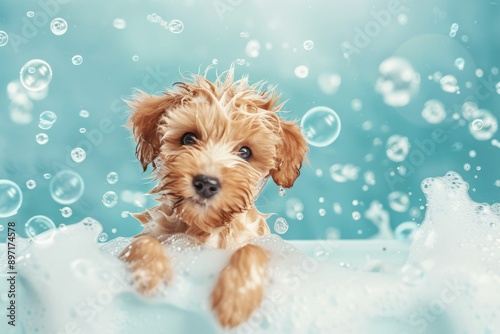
[(405, 231), (293, 206), (253, 48), (280, 225), (112, 178), (82, 130), (402, 19), (77, 60), (356, 104), (78, 154), (356, 215), (215, 61), (44, 125), (479, 73), (477, 124), (47, 176), (114, 230), (300, 216), (135, 58), (110, 199), (301, 71), (84, 113), (412, 273), (42, 138), (449, 84), (119, 23), (125, 214), (398, 82), (11, 198), (344, 173), (35, 75), (102, 237), (58, 26), (175, 26), (322, 212), (397, 148), (472, 153), (320, 126), (337, 208), (434, 111), (30, 184), (460, 63), (399, 201), (308, 45), (4, 38), (329, 83), (244, 34), (369, 178), (66, 212), (497, 87), (30, 13), (319, 172), (467, 167), (1, 228), (484, 125), (40, 229), (321, 200), (66, 187), (281, 192), (48, 116)]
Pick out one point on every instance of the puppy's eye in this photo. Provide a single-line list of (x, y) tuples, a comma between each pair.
[(188, 139), (245, 153)]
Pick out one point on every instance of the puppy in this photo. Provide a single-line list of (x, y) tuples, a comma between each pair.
[(212, 146)]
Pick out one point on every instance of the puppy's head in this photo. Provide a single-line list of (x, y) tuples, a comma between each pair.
[(212, 145)]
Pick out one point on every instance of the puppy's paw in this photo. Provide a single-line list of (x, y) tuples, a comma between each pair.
[(240, 287), (149, 264)]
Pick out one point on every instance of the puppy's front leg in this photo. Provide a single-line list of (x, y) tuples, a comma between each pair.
[(148, 263), (240, 287)]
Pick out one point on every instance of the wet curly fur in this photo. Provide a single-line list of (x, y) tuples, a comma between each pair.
[(203, 128)]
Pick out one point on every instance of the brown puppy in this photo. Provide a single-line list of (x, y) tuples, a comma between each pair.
[(212, 147)]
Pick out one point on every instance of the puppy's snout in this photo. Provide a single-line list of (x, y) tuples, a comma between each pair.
[(206, 186)]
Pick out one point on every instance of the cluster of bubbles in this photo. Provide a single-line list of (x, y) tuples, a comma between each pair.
[(398, 82), (58, 26), (109, 199), (174, 26), (294, 208), (397, 147), (11, 198), (482, 123), (453, 30), (343, 173), (35, 75), (280, 225), (40, 229), (46, 120), (434, 111), (320, 126), (329, 83), (66, 187)]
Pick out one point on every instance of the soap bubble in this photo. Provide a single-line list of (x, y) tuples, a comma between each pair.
[(35, 75), (320, 126), (47, 118), (405, 231), (42, 138), (109, 199), (78, 154), (449, 84), (66, 187), (253, 48), (30, 13), (102, 237), (37, 225), (30, 184), (460, 63), (329, 83), (119, 23), (11, 198), (82, 130), (4, 38), (434, 111), (58, 26), (84, 113), (112, 177), (301, 71), (77, 60), (66, 212), (47, 176), (280, 225), (397, 148), (398, 82), (308, 45), (175, 26), (399, 201), (477, 124), (135, 58)]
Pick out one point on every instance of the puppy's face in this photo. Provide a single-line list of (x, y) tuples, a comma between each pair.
[(213, 145)]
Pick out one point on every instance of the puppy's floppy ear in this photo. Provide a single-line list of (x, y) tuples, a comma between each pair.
[(290, 153), (147, 112)]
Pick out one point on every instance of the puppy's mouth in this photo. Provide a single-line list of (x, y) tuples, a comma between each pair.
[(203, 202)]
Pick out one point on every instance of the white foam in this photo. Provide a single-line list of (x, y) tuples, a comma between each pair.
[(449, 282)]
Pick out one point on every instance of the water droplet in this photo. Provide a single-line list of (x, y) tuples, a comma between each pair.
[(280, 225), (399, 201), (175, 26), (30, 184), (11, 198), (301, 71), (110, 199), (320, 126), (356, 215), (405, 231), (40, 229), (84, 113), (42, 138), (308, 45), (58, 26), (119, 23), (102, 237), (434, 111), (252, 48), (112, 177), (397, 148), (281, 192), (460, 63), (77, 60), (66, 212), (35, 75), (66, 187), (4, 38), (135, 58), (398, 81), (78, 154)]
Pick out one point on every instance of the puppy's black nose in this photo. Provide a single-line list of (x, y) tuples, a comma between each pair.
[(206, 186)]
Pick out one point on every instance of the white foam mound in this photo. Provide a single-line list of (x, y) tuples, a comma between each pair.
[(450, 282)]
